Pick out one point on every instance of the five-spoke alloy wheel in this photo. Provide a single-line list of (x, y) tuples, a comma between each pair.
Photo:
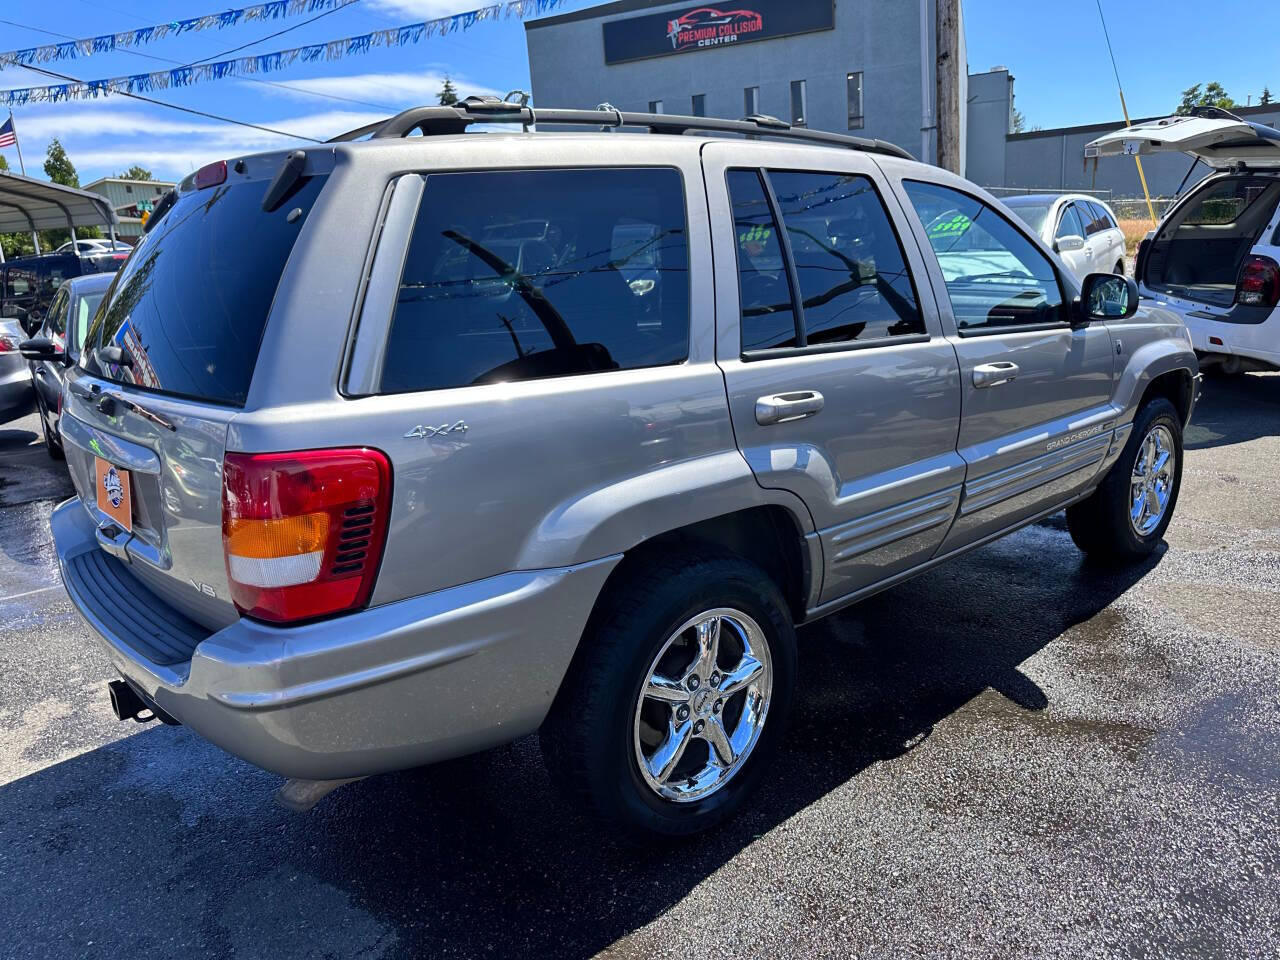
[(1126, 517), (703, 706), (678, 696), (1151, 485)]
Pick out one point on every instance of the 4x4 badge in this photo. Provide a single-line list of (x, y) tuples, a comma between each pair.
[(426, 433)]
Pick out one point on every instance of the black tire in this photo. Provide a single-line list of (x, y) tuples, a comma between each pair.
[(587, 740), (1119, 267), (1100, 525), (51, 446)]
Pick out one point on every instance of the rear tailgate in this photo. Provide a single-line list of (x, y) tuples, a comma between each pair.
[(1219, 140), (167, 365)]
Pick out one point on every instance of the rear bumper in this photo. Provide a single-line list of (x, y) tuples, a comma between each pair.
[(17, 395), (391, 687)]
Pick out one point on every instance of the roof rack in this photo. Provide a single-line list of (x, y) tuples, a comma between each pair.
[(437, 121)]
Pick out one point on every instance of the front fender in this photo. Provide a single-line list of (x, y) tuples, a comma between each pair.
[(1166, 350)]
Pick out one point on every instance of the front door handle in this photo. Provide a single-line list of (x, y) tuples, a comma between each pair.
[(994, 374), (784, 407)]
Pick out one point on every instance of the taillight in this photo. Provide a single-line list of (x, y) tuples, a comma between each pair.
[(8, 343), (303, 532), (1259, 283)]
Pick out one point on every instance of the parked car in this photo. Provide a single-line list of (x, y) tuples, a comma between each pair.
[(1214, 259), (27, 285), (101, 255), (16, 395), (62, 335), (1082, 230), (432, 502)]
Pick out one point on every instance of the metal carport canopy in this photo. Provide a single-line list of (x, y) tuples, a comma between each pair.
[(27, 204)]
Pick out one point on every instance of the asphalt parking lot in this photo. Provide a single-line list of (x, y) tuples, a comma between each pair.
[(1015, 755)]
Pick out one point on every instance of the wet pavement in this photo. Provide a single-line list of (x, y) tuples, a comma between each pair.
[(1015, 755)]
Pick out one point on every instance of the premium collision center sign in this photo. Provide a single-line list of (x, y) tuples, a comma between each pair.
[(703, 28)]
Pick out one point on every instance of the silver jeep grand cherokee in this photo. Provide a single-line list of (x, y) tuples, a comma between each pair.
[(392, 450)]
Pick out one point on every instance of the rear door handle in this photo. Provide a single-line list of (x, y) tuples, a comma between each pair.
[(784, 407), (994, 374)]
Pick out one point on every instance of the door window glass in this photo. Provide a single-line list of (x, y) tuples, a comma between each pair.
[(1101, 216), (524, 274), (768, 319), (854, 283), (1069, 225), (56, 318), (995, 276)]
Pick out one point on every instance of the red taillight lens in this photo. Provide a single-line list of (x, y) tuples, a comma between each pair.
[(303, 532), (211, 174), (1259, 283), (8, 344)]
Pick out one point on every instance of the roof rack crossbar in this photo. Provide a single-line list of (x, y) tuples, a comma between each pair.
[(438, 121)]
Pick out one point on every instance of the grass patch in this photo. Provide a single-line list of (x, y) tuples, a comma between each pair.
[(1134, 230)]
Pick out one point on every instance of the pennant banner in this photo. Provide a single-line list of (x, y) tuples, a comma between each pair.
[(88, 46), (271, 62)]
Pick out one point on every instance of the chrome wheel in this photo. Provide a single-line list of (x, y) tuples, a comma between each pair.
[(1151, 484), (703, 705)]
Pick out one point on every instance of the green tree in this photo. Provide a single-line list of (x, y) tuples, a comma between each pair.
[(58, 166), (4, 164), (1213, 95), (135, 173), (448, 93), (1019, 121), (1266, 97)]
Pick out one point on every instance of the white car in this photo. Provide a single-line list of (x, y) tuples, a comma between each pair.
[(1215, 257), (1081, 229)]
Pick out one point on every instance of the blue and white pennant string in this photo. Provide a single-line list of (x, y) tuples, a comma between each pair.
[(278, 60), (126, 39)]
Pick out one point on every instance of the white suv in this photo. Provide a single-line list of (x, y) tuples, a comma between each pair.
[(1215, 257), (1081, 230)]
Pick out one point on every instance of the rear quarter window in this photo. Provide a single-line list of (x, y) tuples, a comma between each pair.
[(523, 274)]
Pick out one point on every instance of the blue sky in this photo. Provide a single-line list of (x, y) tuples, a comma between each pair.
[(1055, 51)]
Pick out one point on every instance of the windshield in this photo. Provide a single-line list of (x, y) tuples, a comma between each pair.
[(1033, 213), (190, 304)]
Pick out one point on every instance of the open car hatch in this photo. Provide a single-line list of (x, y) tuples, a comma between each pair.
[(1218, 138)]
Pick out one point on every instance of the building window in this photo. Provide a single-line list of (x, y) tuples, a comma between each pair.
[(699, 104), (799, 103), (854, 83), (655, 106), (128, 188), (750, 101)]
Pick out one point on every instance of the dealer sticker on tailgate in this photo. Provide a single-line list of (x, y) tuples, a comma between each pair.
[(114, 497)]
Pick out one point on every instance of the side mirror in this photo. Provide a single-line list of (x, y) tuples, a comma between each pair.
[(1108, 296), (41, 348), (1070, 243)]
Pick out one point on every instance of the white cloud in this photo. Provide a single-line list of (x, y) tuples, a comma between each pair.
[(391, 88), (425, 9)]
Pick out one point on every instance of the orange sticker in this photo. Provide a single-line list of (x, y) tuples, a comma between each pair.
[(114, 496)]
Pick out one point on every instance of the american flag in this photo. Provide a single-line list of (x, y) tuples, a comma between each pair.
[(8, 136)]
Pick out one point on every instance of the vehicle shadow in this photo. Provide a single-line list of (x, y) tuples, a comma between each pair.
[(160, 844), (1235, 410)]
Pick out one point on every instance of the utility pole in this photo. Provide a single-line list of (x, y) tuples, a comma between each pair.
[(948, 84)]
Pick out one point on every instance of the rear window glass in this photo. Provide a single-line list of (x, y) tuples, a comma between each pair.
[(522, 274), (190, 304), (1224, 201), (854, 283)]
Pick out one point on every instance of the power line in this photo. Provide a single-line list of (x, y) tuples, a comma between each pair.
[(270, 83), (174, 106)]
